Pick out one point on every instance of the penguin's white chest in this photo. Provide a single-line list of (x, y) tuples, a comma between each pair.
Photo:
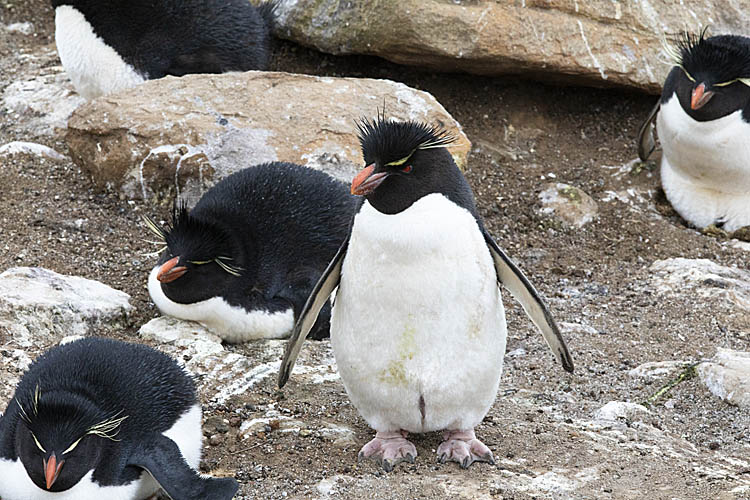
[(705, 167), (418, 327), (94, 67), (231, 323)]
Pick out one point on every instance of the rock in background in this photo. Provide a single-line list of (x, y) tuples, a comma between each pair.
[(187, 133), (601, 42)]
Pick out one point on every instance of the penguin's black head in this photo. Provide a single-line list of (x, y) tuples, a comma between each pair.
[(199, 260), (405, 162), (60, 437), (714, 76)]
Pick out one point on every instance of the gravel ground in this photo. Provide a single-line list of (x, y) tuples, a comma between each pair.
[(543, 426)]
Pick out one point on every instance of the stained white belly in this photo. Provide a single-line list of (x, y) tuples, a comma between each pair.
[(705, 166), (418, 315), (94, 67), (186, 433)]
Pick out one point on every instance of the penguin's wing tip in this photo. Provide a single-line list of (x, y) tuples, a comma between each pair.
[(328, 281), (647, 134), (524, 292)]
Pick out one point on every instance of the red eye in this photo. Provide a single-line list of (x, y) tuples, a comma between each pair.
[(406, 169)]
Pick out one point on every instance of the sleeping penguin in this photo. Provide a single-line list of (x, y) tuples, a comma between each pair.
[(101, 419), (245, 258), (418, 327), (703, 120), (111, 45)]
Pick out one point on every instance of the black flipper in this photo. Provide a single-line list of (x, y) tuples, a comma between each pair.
[(161, 457), (647, 134), (315, 302), (514, 280)]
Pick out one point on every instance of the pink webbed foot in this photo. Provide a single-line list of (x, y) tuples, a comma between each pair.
[(463, 447), (389, 449)]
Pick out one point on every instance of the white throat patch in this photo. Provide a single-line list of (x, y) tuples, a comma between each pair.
[(94, 67), (705, 167)]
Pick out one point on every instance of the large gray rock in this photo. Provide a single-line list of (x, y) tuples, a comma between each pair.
[(186, 133), (727, 376), (41, 98), (39, 306), (599, 42), (704, 276)]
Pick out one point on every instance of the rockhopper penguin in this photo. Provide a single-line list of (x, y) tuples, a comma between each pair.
[(99, 419), (418, 328), (703, 121), (245, 258), (109, 45)]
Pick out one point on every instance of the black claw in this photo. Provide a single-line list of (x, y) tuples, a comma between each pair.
[(409, 458), (360, 456), (442, 458), (387, 465), (489, 458), (466, 462)]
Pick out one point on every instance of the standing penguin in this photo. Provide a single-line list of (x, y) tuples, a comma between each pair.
[(109, 45), (245, 259), (418, 327), (100, 419), (703, 120)]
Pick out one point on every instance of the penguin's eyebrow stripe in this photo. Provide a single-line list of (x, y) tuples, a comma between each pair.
[(401, 161), (38, 444), (72, 446)]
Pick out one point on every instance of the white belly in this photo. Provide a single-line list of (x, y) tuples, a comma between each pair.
[(186, 433), (94, 67), (705, 168), (418, 316), (231, 323)]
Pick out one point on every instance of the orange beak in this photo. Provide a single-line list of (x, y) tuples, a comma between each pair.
[(52, 469), (700, 96), (365, 182), (168, 272)]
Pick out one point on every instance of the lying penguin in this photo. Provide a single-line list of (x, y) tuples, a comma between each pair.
[(111, 45), (418, 327), (703, 121), (245, 258), (102, 419)]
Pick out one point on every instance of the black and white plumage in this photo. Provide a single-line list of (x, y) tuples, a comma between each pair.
[(109, 45), (244, 259), (703, 122), (418, 326), (101, 419)]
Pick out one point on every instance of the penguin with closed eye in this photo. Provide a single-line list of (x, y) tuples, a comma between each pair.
[(703, 123), (418, 326), (243, 261), (102, 419), (110, 45)]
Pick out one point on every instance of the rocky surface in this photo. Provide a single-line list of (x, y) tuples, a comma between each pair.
[(602, 42), (727, 376), (183, 134), (634, 331)]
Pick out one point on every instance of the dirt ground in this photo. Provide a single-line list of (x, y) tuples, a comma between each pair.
[(596, 279)]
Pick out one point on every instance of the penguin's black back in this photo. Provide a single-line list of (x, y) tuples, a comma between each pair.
[(291, 217), (119, 378), (177, 37)]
